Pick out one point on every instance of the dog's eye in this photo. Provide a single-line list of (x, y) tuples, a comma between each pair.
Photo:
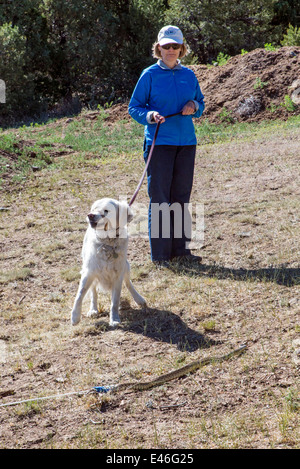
[(105, 213)]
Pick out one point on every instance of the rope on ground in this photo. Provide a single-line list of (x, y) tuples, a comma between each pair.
[(57, 396)]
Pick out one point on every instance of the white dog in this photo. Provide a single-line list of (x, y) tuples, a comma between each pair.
[(104, 255)]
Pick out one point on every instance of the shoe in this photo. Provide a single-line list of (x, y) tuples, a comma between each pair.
[(187, 258), (161, 264)]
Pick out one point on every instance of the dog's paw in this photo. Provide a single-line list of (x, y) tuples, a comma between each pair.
[(114, 324), (92, 313), (141, 302), (75, 318), (114, 319)]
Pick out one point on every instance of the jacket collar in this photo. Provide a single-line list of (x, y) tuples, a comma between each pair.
[(165, 67)]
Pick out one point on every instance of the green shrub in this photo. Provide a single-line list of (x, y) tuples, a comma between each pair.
[(292, 37), (225, 115), (19, 87), (288, 104), (23, 97), (259, 83), (270, 46), (222, 58)]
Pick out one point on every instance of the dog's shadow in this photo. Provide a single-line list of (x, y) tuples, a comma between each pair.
[(161, 326)]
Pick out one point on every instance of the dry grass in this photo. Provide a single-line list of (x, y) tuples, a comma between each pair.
[(245, 291)]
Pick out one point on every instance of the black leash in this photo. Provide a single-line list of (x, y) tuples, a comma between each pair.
[(149, 158)]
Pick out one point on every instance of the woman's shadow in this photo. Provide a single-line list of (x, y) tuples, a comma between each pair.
[(280, 275)]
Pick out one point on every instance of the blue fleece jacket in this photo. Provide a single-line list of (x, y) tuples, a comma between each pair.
[(167, 90)]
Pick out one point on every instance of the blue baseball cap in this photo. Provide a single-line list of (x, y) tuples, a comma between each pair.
[(170, 34)]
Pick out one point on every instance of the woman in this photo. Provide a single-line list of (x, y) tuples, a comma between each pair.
[(166, 88)]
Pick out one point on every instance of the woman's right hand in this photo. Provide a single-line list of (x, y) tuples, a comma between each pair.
[(157, 117)]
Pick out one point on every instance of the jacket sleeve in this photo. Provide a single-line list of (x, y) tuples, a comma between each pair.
[(138, 106), (199, 100)]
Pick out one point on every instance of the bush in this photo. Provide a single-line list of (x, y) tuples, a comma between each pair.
[(222, 59), (292, 37), (19, 87), (211, 26), (88, 49)]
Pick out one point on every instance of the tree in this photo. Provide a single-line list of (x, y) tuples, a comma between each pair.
[(99, 45), (213, 26), (286, 12), (24, 45), (94, 49), (19, 86)]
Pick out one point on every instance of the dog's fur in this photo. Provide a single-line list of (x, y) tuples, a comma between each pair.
[(104, 256)]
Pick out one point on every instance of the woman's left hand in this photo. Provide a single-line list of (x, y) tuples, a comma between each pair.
[(188, 108)]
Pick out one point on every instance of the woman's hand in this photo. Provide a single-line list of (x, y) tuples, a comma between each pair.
[(157, 117), (189, 108)]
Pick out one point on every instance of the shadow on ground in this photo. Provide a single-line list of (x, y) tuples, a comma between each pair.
[(160, 325), (288, 277)]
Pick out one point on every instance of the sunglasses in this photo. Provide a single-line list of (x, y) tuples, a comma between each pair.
[(173, 46)]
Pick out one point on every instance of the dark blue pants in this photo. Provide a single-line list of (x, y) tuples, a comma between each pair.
[(170, 180)]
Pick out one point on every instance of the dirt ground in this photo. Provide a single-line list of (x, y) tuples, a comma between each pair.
[(246, 291)]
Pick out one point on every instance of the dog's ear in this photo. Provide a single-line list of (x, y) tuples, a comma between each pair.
[(129, 214), (125, 213)]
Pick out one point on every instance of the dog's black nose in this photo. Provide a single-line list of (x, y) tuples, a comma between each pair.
[(92, 220)]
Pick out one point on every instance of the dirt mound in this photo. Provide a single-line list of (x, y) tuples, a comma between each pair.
[(249, 87), (117, 112)]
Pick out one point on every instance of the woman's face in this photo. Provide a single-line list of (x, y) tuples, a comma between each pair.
[(170, 56)]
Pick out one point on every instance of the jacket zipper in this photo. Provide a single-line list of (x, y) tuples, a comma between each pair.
[(175, 86)]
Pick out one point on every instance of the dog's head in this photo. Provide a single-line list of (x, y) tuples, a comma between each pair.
[(109, 217)]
